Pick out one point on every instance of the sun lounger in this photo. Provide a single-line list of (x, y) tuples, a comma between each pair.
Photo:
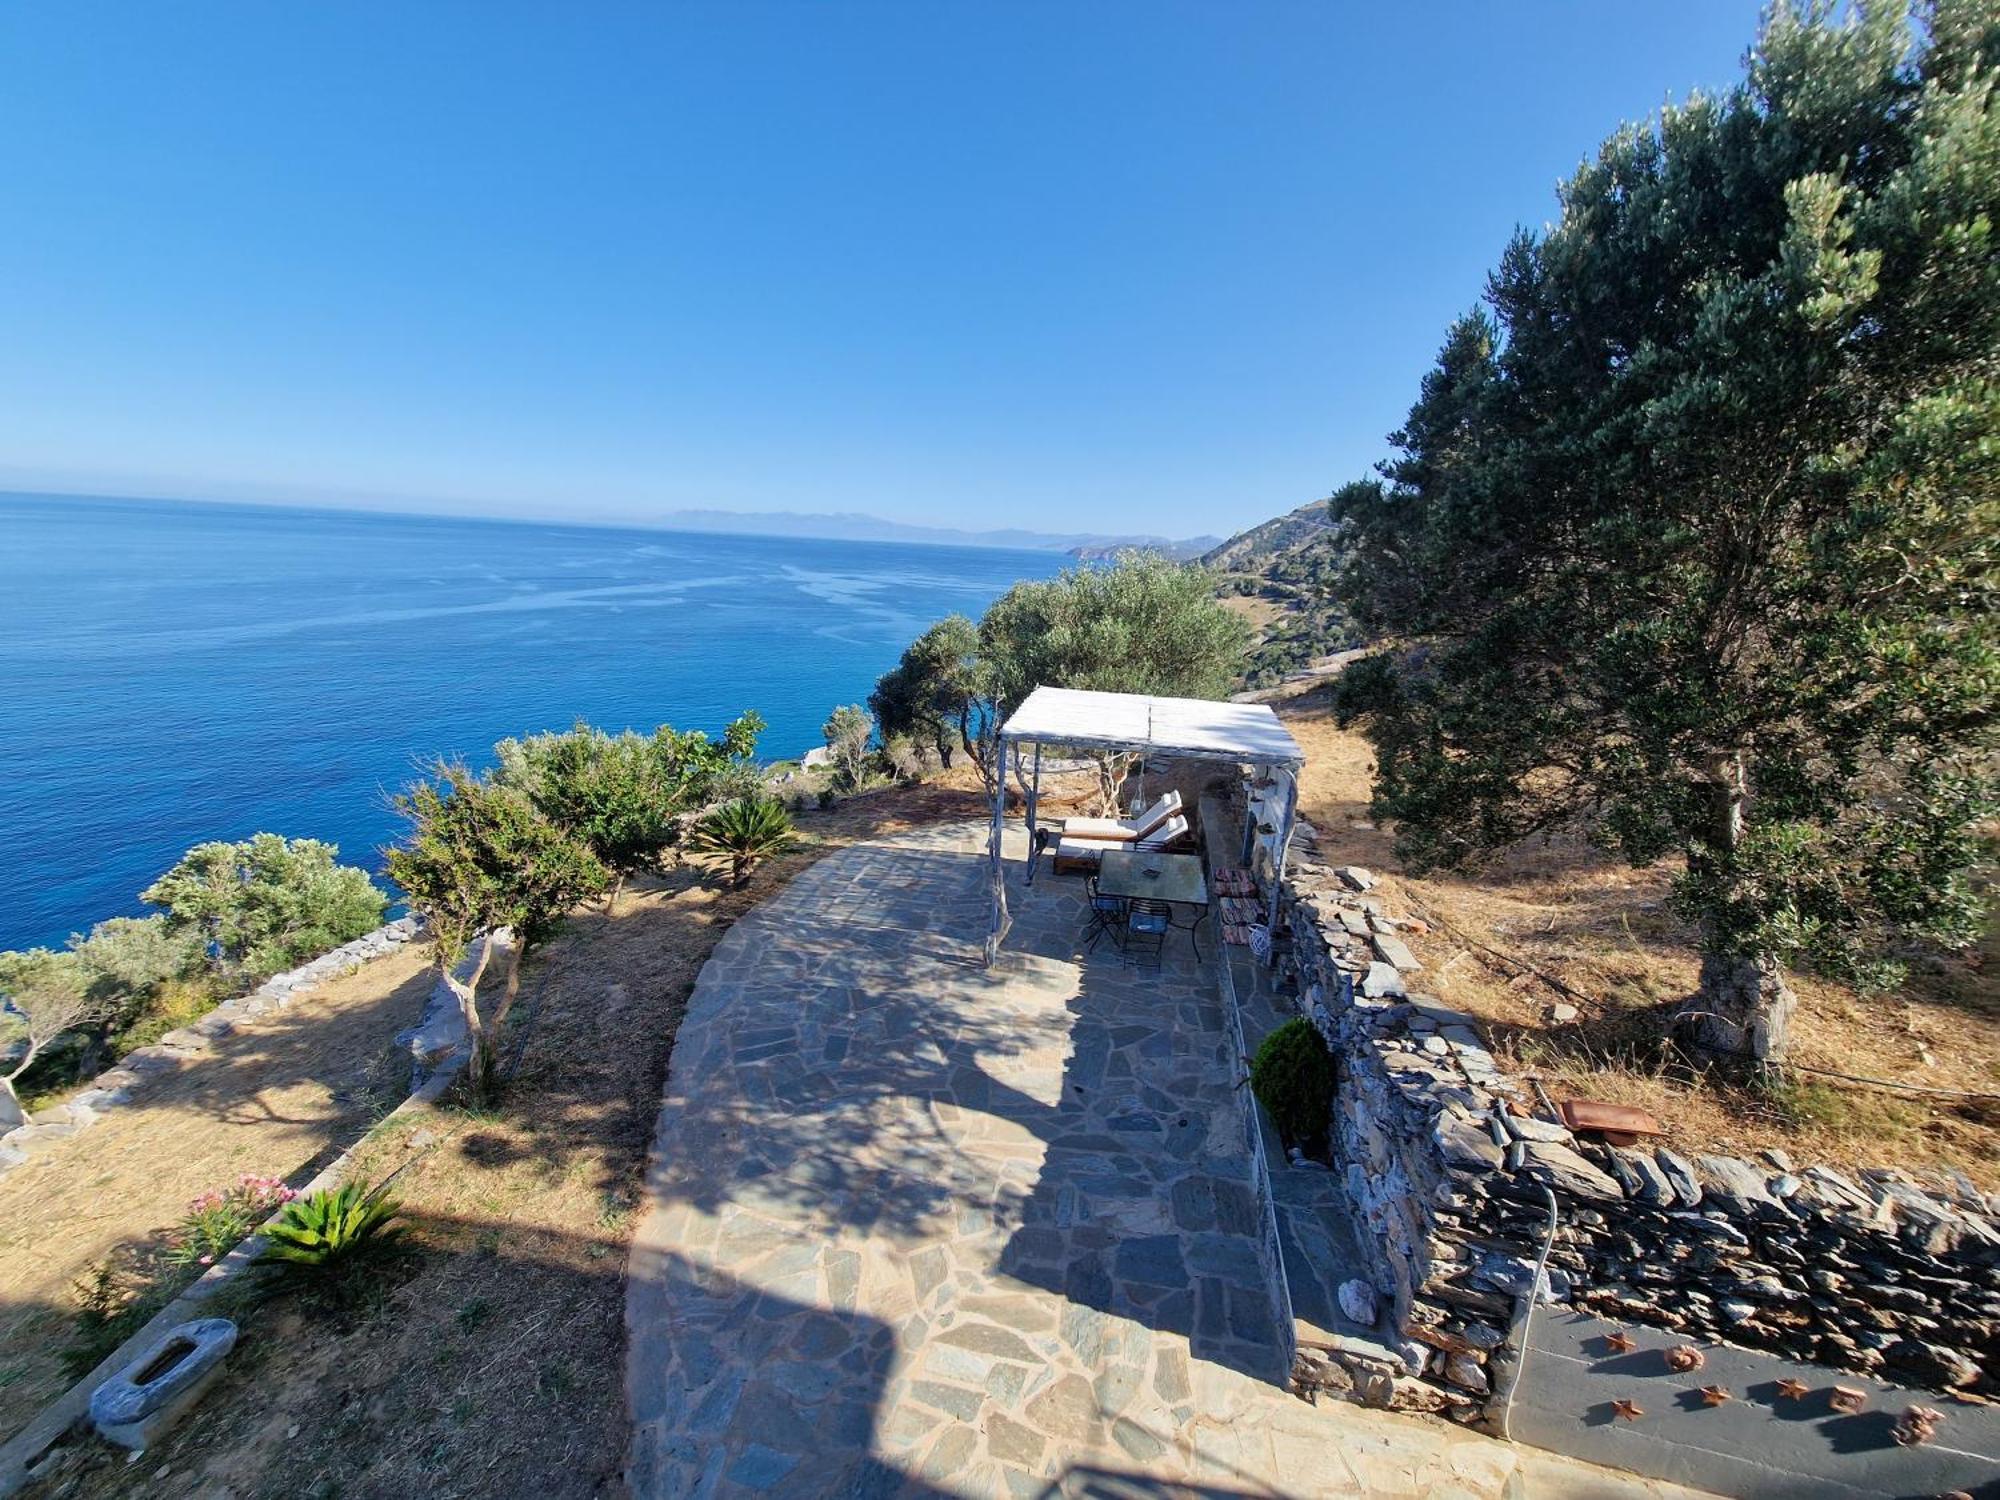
[(1124, 830), (1081, 852)]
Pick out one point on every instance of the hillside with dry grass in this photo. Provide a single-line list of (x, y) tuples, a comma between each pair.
[(1558, 923)]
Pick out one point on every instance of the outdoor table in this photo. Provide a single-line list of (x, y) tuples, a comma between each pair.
[(1173, 878)]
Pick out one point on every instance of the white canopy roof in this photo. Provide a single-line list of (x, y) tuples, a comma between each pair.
[(1164, 726)]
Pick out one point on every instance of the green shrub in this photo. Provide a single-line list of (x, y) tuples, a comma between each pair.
[(332, 1225), (220, 1219), (1292, 1075), (174, 1004), (744, 832), (326, 1243), (266, 903)]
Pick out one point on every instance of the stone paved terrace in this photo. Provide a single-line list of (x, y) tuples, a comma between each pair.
[(919, 1227)]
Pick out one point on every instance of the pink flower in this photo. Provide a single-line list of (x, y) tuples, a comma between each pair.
[(208, 1260)]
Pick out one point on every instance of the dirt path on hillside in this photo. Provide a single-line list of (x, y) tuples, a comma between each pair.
[(280, 1097)]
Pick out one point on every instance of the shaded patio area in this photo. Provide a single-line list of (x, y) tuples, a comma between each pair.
[(916, 1225)]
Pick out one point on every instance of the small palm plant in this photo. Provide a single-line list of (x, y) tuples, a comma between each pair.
[(743, 832), (324, 1239)]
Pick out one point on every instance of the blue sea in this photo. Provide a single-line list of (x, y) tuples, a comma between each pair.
[(176, 672)]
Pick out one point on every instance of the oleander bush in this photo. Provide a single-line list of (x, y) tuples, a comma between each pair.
[(222, 1218)]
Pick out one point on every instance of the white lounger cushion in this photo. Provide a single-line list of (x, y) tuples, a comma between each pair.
[(1123, 830), (1169, 833)]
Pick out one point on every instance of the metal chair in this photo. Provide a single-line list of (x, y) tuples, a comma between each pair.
[(1107, 918), (1147, 923)]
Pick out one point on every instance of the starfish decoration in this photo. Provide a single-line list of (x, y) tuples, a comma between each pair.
[(1793, 1390), (1631, 1411), (1618, 1341), (1713, 1395)]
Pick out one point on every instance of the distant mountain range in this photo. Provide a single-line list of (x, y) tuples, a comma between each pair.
[(852, 527)]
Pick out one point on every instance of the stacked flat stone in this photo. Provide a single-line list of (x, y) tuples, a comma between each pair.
[(117, 1086), (1451, 1172)]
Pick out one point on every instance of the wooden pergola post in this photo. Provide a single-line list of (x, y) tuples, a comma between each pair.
[(1279, 850), (996, 871)]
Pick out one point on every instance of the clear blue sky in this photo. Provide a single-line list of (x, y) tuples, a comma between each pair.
[(1080, 266)]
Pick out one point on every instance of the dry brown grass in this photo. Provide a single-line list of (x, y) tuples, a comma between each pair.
[(1260, 611), (494, 1362), (280, 1097), (1604, 929)]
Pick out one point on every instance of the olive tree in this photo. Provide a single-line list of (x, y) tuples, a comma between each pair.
[(1690, 536), (43, 994), (847, 731), (1142, 625), (480, 857), (934, 692), (266, 903), (126, 960)]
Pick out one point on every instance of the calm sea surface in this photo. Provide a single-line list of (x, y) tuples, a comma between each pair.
[(171, 673)]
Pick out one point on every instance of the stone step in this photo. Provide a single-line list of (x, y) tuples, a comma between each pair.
[(1316, 1236), (1316, 1231)]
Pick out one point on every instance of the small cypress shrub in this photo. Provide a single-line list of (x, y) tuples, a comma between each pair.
[(1292, 1076)]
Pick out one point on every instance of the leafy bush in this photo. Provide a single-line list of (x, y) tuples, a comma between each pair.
[(267, 903), (624, 795), (744, 832), (222, 1218), (177, 1003), (848, 730), (130, 959), (1292, 1076)]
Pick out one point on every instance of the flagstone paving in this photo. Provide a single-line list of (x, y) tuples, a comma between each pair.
[(916, 1226)]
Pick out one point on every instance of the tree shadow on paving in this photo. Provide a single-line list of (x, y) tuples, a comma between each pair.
[(813, 1080), (1145, 1207), (750, 1391), (845, 1074)]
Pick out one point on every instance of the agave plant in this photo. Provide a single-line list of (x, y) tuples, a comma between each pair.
[(332, 1230), (743, 832)]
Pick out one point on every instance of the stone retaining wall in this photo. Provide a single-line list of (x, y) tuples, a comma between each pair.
[(1453, 1169), (118, 1085)]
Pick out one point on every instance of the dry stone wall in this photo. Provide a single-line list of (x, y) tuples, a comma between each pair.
[(1453, 1172)]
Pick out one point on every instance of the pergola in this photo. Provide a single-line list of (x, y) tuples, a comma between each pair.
[(1155, 729)]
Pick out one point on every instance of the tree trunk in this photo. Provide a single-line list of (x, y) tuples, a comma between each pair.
[(466, 992), (11, 1113), (611, 899), (1743, 1010), (976, 751), (516, 952)]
